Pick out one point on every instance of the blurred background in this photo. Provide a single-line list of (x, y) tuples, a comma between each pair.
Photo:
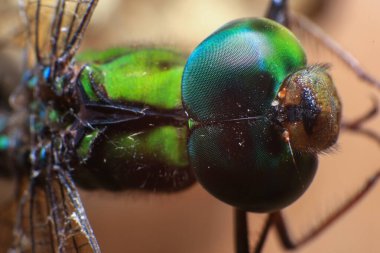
[(193, 221)]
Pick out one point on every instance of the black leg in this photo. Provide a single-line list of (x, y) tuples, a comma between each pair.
[(356, 124), (312, 30), (241, 232), (278, 11), (290, 243), (264, 234), (277, 218)]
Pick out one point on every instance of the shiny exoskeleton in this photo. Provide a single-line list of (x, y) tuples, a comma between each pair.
[(261, 115), (250, 99), (244, 115)]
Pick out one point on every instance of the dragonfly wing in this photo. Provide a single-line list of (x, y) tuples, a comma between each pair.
[(56, 28), (51, 218), (82, 234), (313, 36), (7, 220)]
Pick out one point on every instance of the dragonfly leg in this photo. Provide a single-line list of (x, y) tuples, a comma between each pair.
[(311, 29), (356, 124), (241, 231), (279, 221), (290, 243), (242, 237), (264, 234)]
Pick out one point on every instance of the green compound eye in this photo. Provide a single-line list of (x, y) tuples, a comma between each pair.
[(238, 70), (240, 144)]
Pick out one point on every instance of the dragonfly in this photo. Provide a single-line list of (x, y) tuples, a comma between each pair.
[(51, 216)]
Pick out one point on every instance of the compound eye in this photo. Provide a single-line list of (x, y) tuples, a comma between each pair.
[(238, 70), (235, 147), (249, 166)]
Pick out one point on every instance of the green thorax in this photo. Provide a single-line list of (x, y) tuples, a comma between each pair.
[(142, 77), (146, 149)]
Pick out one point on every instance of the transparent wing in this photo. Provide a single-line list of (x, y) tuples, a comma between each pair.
[(51, 217), (56, 28), (7, 220), (11, 30), (315, 37)]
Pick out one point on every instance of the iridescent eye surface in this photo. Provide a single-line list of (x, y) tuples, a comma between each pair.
[(240, 145), (237, 71)]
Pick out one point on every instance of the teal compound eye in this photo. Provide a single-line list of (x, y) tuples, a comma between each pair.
[(238, 70), (239, 145)]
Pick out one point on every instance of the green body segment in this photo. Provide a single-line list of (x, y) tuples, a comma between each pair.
[(162, 144), (142, 77), (237, 71), (85, 147), (102, 57), (142, 156), (147, 151)]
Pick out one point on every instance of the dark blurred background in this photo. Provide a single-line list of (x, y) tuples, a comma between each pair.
[(193, 221)]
